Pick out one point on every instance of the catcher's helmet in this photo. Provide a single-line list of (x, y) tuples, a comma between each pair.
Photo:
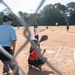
[(35, 41), (7, 18)]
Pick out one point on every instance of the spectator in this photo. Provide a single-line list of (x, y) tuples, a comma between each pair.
[(67, 27)]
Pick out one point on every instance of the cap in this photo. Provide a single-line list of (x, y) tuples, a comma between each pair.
[(7, 18)]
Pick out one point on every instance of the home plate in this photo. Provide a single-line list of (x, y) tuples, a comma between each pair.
[(50, 51)]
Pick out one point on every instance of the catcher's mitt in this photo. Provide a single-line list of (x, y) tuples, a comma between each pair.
[(43, 38)]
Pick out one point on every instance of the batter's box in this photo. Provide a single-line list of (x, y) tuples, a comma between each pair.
[(65, 54)]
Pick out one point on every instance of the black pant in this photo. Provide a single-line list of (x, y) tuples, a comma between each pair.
[(3, 56), (36, 62), (7, 62)]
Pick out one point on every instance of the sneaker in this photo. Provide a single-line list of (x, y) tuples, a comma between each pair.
[(8, 73), (36, 68), (39, 67)]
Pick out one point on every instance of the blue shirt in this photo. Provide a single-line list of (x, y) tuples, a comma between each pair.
[(7, 34)]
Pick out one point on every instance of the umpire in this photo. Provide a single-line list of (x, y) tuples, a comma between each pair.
[(7, 40)]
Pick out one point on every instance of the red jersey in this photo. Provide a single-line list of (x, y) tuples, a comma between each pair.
[(33, 55)]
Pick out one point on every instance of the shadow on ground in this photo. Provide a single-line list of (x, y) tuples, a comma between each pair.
[(35, 72)]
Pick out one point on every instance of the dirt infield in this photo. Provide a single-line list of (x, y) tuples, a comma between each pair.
[(60, 52)]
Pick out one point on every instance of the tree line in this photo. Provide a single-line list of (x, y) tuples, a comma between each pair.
[(49, 15)]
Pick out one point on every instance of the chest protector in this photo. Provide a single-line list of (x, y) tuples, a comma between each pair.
[(33, 55)]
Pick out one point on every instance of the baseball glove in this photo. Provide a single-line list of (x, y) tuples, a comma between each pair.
[(43, 38)]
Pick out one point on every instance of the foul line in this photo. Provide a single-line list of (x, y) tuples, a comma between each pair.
[(23, 53), (21, 36), (65, 60), (58, 52)]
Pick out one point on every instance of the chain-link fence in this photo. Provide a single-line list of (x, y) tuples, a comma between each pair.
[(27, 35)]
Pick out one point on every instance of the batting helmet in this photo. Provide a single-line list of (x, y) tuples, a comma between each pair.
[(35, 25)]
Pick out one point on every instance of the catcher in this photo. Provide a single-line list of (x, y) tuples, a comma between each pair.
[(34, 60)]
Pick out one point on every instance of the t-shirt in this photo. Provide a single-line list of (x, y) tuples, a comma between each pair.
[(7, 34), (36, 31)]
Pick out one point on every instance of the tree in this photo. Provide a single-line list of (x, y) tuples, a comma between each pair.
[(1, 17), (51, 14), (71, 12)]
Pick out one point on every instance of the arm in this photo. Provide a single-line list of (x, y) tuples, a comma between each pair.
[(13, 38), (44, 51), (13, 45), (34, 31)]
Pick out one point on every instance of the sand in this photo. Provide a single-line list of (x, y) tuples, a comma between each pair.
[(60, 51)]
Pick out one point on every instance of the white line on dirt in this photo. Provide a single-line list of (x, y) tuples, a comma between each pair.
[(74, 54), (65, 60), (58, 52), (50, 51), (21, 36), (68, 61), (23, 53)]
